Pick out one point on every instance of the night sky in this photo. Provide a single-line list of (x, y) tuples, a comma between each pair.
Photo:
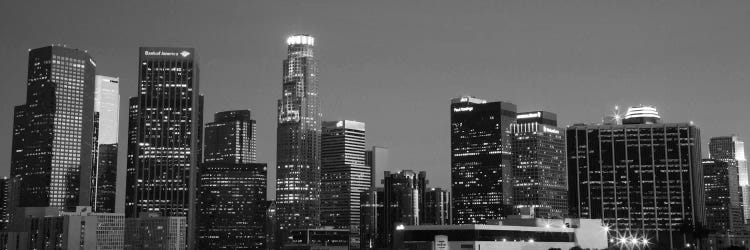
[(395, 65)]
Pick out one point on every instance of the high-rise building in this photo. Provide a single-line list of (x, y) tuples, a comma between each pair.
[(436, 209), (298, 138), (106, 129), (232, 198), (154, 232), (344, 175), (643, 178), (731, 149), (481, 160), (231, 137), (232, 206), (371, 222), (105, 185), (52, 135), (82, 229), (4, 215), (164, 136), (723, 207), (377, 159), (403, 198), (539, 165)]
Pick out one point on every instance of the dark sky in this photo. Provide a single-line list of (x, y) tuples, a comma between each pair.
[(395, 64)]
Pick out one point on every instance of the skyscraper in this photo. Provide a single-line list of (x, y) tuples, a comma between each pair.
[(377, 159), (298, 138), (723, 206), (481, 160), (343, 171), (231, 137), (403, 198), (53, 131), (539, 165), (436, 209), (232, 198), (731, 149), (372, 223), (642, 178), (106, 120), (165, 131)]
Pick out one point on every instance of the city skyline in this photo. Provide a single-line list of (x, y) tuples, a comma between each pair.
[(403, 111)]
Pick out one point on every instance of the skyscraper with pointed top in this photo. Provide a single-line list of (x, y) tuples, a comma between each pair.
[(298, 138)]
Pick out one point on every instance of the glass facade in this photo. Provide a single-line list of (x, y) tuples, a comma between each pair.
[(437, 207), (539, 167), (723, 209), (105, 185), (52, 149), (298, 138), (481, 160), (231, 137), (164, 136), (640, 179), (731, 149)]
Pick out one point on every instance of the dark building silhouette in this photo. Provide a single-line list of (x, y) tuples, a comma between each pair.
[(539, 165), (53, 131), (106, 179), (164, 136), (231, 137), (298, 139), (377, 159), (232, 206), (723, 197), (372, 230), (232, 198), (641, 179), (481, 160), (403, 197), (4, 204), (436, 208)]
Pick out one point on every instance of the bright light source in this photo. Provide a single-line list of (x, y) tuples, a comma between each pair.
[(531, 240), (634, 240), (644, 241), (606, 228), (623, 240), (400, 227)]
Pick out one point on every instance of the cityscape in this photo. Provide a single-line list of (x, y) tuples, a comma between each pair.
[(338, 126)]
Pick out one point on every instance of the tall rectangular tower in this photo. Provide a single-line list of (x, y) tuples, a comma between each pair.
[(344, 176), (481, 160), (106, 120), (723, 206), (539, 165), (731, 149), (377, 159), (298, 138), (232, 200), (53, 131), (165, 136), (642, 178)]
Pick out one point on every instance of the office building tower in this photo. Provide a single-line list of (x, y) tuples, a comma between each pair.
[(641, 179), (436, 209), (371, 222), (539, 165), (481, 160), (403, 197), (231, 137), (49, 228), (723, 206), (298, 138), (105, 185), (106, 129), (232, 187), (344, 175), (731, 149), (164, 136), (377, 159), (4, 190), (271, 226), (52, 134), (154, 232)]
